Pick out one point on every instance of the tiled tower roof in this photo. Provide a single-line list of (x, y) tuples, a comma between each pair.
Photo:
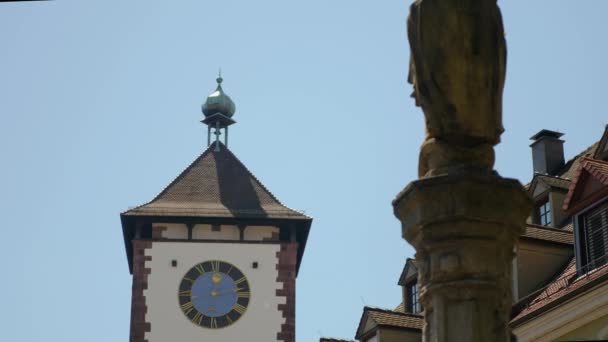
[(216, 185)]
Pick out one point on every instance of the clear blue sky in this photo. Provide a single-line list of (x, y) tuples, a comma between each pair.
[(100, 102)]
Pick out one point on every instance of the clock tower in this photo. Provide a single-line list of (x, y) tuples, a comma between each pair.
[(214, 256)]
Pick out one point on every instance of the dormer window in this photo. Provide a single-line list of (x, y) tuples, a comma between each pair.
[(593, 231), (413, 302), (588, 198), (544, 213)]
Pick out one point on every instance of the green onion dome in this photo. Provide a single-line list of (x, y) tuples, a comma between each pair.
[(219, 102)]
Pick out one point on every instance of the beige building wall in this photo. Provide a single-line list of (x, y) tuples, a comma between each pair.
[(259, 233), (261, 321), (205, 232), (390, 335), (537, 263), (172, 230), (596, 330), (558, 215)]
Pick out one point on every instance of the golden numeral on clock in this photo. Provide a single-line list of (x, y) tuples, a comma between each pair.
[(240, 280), (239, 308), (187, 307), (215, 266), (186, 293), (243, 294), (197, 318), (213, 323), (200, 268)]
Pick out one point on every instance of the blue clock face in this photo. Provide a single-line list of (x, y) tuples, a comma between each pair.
[(214, 294)]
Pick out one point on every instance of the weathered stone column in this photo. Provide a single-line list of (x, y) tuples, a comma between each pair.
[(462, 218)]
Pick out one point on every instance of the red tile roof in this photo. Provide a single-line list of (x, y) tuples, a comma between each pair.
[(569, 169), (390, 318), (565, 286), (597, 169), (547, 234)]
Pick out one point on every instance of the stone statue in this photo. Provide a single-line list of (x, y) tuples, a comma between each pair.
[(457, 68)]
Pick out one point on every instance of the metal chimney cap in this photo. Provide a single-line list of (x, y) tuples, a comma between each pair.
[(545, 133)]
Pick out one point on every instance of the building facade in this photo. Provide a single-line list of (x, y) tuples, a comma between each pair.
[(215, 255)]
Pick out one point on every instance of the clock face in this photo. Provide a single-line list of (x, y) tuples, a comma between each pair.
[(214, 294)]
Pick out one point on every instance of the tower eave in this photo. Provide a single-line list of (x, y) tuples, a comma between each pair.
[(129, 222)]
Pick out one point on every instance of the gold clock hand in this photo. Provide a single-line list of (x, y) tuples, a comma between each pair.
[(236, 289)]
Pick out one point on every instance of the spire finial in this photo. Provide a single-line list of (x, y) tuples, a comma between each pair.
[(219, 78), (218, 110)]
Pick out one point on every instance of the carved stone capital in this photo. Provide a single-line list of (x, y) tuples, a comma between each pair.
[(448, 200), (464, 227)]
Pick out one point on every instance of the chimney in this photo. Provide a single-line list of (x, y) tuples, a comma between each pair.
[(547, 152)]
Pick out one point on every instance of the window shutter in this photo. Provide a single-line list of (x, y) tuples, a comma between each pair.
[(596, 231)]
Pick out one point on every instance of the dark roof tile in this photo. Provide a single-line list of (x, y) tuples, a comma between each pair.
[(216, 184)]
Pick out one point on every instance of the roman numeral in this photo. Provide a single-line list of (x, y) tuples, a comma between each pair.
[(215, 266), (200, 268), (240, 280), (187, 307), (188, 279), (213, 323), (239, 308), (243, 294), (198, 318)]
